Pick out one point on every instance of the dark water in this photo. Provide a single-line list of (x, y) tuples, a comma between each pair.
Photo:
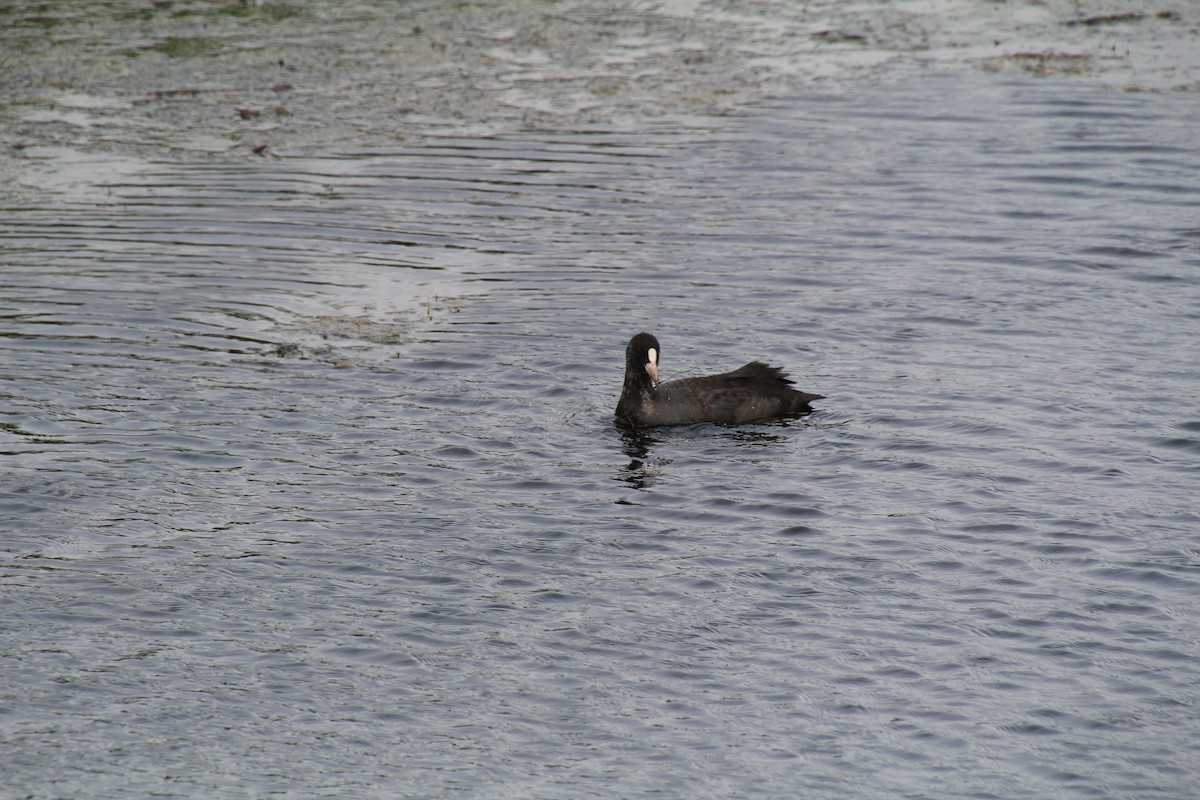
[(310, 485)]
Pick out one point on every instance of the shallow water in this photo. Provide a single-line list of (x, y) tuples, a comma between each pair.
[(312, 488)]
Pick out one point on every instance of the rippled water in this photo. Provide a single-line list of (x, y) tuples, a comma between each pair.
[(311, 486)]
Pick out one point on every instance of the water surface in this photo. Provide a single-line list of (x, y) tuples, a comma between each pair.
[(311, 486)]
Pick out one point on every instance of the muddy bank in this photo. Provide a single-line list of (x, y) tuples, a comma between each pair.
[(162, 79)]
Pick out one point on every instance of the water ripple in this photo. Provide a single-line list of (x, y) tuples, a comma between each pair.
[(316, 455)]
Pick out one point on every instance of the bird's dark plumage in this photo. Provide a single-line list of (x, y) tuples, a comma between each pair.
[(748, 394)]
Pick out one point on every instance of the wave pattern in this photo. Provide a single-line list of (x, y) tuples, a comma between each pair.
[(309, 477)]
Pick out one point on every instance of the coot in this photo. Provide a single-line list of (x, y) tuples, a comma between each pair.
[(753, 392)]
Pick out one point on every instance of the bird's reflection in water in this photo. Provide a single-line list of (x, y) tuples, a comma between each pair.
[(754, 436), (639, 444)]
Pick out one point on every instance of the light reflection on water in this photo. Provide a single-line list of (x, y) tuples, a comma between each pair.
[(311, 480)]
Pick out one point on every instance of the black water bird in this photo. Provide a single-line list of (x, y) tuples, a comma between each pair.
[(751, 393)]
